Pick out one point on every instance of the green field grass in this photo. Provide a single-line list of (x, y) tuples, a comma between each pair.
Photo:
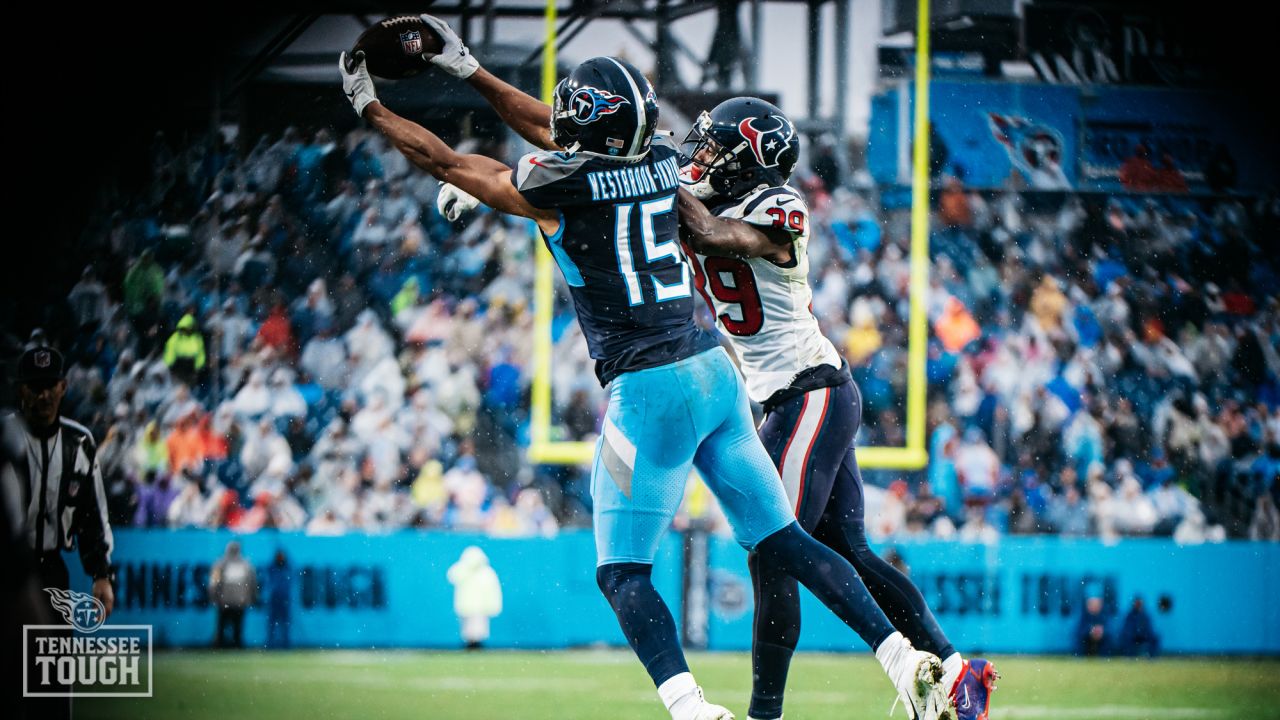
[(594, 685)]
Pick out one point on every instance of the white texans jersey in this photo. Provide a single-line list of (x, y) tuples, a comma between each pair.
[(762, 307)]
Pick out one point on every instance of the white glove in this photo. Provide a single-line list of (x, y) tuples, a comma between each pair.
[(455, 58), (356, 82), (454, 203)]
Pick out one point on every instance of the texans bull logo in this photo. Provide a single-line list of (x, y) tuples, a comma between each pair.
[(767, 142), (589, 104)]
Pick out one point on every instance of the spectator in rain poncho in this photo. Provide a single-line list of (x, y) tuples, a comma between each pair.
[(367, 340), (184, 351), (150, 452), (254, 399), (477, 595), (265, 449), (312, 311), (324, 357), (1068, 513), (155, 388), (286, 400), (978, 467), (863, 338)]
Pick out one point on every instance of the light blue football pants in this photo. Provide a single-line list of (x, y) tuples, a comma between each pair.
[(661, 422)]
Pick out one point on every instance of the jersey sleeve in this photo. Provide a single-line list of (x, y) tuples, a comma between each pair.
[(665, 139), (551, 179), (775, 207)]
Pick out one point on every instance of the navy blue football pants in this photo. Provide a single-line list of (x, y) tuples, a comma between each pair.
[(810, 438)]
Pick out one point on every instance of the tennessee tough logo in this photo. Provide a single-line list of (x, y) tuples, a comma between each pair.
[(767, 141), (588, 104)]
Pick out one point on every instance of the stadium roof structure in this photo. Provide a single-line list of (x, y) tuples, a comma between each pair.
[(727, 66)]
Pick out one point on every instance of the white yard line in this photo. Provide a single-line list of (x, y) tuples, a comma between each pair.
[(1118, 712)]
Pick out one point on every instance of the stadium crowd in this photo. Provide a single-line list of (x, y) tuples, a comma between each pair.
[(287, 334)]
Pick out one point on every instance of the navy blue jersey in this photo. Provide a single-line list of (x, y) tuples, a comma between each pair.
[(619, 252)]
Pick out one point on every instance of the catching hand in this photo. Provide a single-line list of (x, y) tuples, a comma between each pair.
[(356, 82), (455, 58)]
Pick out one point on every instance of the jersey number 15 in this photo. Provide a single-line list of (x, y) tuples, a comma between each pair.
[(653, 250)]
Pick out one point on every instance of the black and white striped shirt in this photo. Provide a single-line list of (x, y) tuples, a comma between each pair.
[(65, 502)]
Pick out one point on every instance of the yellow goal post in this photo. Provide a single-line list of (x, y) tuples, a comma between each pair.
[(914, 455)]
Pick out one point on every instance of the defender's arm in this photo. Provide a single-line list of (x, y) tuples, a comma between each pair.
[(710, 235)]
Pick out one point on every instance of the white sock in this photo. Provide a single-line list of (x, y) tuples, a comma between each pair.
[(890, 653), (679, 694), (951, 668)]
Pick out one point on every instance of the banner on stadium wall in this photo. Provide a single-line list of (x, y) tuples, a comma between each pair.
[(1058, 137), (373, 590), (1024, 595), (1021, 595)]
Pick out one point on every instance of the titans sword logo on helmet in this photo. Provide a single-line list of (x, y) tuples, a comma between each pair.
[(591, 103)]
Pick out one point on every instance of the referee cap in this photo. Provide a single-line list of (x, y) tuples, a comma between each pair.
[(40, 364)]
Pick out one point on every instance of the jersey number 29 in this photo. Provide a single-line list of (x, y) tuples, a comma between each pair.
[(743, 292)]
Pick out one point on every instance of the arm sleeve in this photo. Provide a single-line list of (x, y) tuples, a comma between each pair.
[(92, 529), (546, 179)]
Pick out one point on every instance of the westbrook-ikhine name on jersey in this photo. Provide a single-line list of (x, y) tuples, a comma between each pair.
[(635, 180)]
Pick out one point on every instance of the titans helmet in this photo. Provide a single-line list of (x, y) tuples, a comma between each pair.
[(605, 106), (741, 144)]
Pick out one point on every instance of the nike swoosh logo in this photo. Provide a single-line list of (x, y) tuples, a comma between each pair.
[(351, 94), (784, 202), (966, 698)]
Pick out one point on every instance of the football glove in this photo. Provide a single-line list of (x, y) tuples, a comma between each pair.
[(455, 58), (454, 203), (356, 82)]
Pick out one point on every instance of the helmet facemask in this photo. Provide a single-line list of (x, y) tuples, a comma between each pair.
[(716, 166), (563, 128)]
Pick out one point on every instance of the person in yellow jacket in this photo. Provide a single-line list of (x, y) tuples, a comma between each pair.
[(184, 352), (477, 595)]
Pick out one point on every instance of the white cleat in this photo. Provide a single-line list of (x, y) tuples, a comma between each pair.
[(918, 678), (714, 712), (693, 706), (920, 688), (708, 711)]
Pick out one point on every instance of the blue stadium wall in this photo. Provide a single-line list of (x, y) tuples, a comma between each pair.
[(1021, 595), (994, 130)]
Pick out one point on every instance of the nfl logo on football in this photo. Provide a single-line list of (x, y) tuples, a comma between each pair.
[(83, 657), (411, 42)]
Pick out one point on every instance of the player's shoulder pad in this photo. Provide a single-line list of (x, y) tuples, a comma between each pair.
[(665, 139), (772, 207), (544, 167)]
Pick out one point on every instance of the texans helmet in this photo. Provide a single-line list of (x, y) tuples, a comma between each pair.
[(605, 106), (741, 144)]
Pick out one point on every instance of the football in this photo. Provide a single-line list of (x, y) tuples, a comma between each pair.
[(394, 47)]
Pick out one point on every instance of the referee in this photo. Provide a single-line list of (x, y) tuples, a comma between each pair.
[(62, 493)]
